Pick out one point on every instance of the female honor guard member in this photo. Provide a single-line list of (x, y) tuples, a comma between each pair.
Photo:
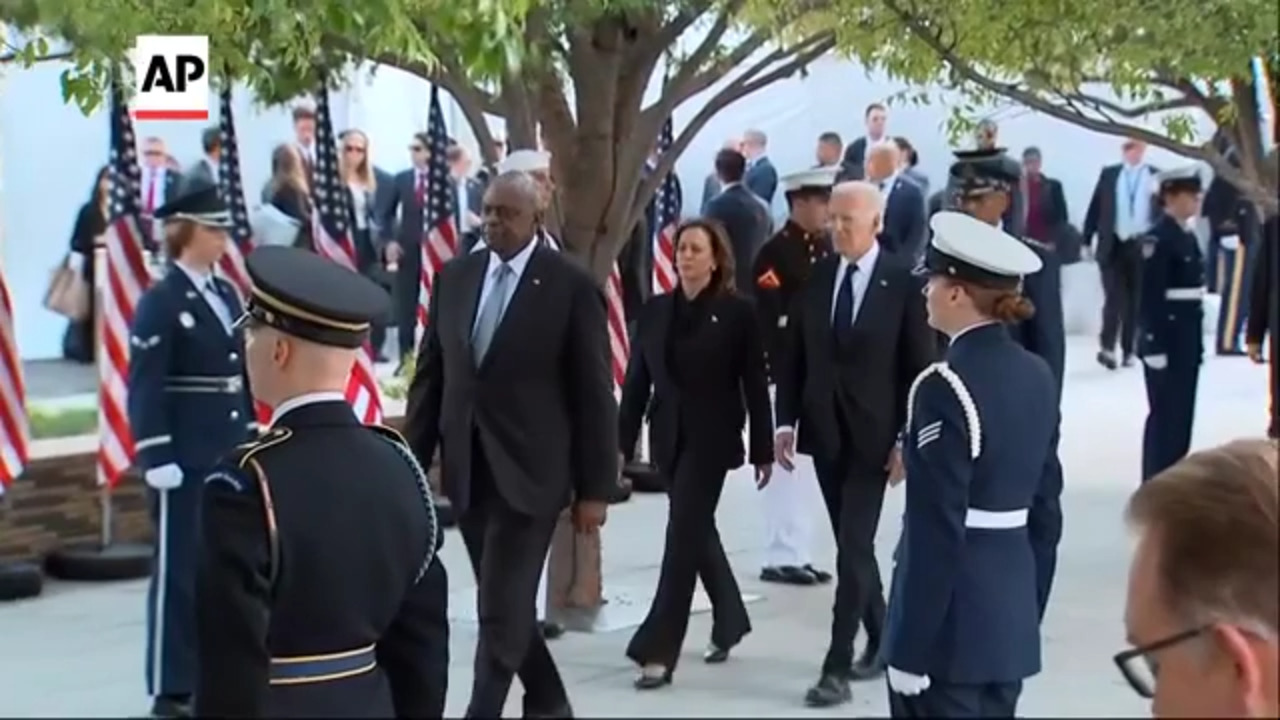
[(782, 266), (187, 406), (318, 590), (983, 520), (1171, 322)]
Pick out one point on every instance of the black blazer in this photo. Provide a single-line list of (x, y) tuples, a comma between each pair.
[(296, 204), (724, 384), (865, 382), (401, 195), (540, 404), (904, 221), (746, 220), (762, 179), (1100, 218)]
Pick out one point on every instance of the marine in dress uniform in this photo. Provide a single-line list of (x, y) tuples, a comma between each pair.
[(983, 519), (188, 404), (984, 183), (781, 267), (1171, 322), (319, 593)]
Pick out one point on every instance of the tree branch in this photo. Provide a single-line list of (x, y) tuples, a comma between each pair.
[(1110, 108), (689, 69), (10, 57)]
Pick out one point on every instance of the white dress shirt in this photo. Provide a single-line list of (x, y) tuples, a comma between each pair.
[(861, 279), (517, 264), (310, 398), (203, 280), (1133, 201)]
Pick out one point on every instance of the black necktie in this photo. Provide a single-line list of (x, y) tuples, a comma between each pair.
[(843, 318)]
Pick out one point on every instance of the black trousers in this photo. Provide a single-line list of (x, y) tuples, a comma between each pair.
[(692, 551), (949, 700), (854, 497), (1121, 284), (507, 550), (404, 299)]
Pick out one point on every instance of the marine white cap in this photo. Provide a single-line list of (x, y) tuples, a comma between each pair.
[(1184, 178), (526, 161), (966, 248), (817, 178)]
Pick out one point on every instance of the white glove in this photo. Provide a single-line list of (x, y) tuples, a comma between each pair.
[(75, 261), (907, 684), (1230, 242), (1156, 362), (165, 477)]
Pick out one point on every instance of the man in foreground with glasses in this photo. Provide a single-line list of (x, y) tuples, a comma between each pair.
[(1202, 611)]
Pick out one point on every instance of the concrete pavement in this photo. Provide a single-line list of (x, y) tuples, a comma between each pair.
[(78, 651)]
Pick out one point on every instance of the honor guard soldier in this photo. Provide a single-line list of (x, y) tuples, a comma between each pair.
[(188, 404), (781, 267), (984, 182), (1234, 241), (318, 593), (983, 517), (1171, 322)]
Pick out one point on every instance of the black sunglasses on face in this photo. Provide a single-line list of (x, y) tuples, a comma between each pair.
[(1141, 668), (353, 149)]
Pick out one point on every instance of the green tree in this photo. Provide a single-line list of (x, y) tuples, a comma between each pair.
[(1105, 65)]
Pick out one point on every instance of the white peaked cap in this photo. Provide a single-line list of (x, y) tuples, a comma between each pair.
[(968, 248), (818, 178), (1185, 172), (526, 161)]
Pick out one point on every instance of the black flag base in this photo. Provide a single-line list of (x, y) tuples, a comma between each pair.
[(19, 581), (99, 563), (644, 477)]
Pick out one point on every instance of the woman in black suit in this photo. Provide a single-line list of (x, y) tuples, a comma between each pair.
[(78, 342), (697, 366)]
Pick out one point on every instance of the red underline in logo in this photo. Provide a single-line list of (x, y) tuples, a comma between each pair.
[(171, 114)]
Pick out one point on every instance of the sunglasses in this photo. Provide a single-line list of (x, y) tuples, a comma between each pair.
[(416, 148), (352, 149)]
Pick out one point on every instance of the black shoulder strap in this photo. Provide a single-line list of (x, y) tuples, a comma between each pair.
[(251, 464)]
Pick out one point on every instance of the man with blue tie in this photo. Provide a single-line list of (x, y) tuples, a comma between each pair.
[(1121, 211)]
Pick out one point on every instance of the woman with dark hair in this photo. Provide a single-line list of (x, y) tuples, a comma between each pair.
[(79, 343), (289, 190), (697, 367), (910, 160)]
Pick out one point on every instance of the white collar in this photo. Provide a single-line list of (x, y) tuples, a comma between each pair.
[(298, 401), (974, 326), (200, 279), (518, 262), (865, 264)]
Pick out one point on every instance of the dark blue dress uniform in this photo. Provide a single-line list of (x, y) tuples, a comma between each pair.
[(977, 172), (1171, 330), (1234, 240), (983, 515), (188, 405), (319, 593)]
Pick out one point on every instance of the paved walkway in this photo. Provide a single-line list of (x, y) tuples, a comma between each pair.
[(77, 651)]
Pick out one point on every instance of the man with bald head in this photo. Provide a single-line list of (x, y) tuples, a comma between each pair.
[(857, 337), (904, 220), (513, 386)]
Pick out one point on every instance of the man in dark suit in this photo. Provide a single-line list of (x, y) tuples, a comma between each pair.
[(469, 190), (904, 226), (711, 185), (399, 220), (205, 170), (1234, 241), (1122, 210), (513, 384), (761, 177), (1264, 314), (743, 215), (876, 117), (857, 338), (160, 184), (1046, 218)]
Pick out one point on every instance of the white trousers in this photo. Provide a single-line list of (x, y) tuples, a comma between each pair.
[(788, 514)]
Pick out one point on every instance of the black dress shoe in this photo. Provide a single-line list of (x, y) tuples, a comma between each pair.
[(1128, 361), (550, 629), (867, 667), (822, 576), (652, 678), (715, 655), (564, 711), (169, 706), (1106, 359), (831, 690), (788, 575)]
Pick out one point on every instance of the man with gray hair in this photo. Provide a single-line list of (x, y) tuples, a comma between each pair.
[(903, 227), (761, 177)]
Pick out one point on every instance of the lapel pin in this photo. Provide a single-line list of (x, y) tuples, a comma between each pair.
[(715, 319), (884, 283), (191, 294), (536, 281), (186, 320)]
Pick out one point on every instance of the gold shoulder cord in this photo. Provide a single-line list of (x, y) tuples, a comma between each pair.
[(273, 438)]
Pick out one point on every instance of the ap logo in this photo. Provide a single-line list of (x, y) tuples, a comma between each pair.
[(171, 75)]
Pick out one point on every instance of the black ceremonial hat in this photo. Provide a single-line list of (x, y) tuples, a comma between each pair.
[(200, 202), (976, 172), (303, 294)]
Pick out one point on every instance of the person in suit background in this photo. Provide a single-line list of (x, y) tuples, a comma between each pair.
[(1047, 220), (828, 151), (903, 225), (1122, 210), (358, 174), (698, 363), (761, 177), (740, 211), (469, 190), (205, 170), (161, 182), (875, 119), (1264, 313), (909, 166), (857, 338), (635, 262), (80, 342), (289, 191), (304, 136), (1235, 235), (988, 138), (711, 185), (513, 385), (400, 222)]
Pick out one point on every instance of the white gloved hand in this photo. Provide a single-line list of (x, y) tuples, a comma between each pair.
[(165, 477), (905, 683), (1156, 362), (1230, 242)]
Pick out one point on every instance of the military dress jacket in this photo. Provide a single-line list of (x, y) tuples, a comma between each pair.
[(781, 268), (1171, 300)]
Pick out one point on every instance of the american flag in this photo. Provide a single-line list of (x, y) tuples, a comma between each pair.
[(331, 232), (619, 342), (666, 216), (126, 279), (439, 236), (232, 261), (15, 434)]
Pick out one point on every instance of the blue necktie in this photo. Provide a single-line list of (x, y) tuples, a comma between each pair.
[(491, 313), (843, 319)]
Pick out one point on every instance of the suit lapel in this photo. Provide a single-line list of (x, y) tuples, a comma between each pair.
[(522, 308), (472, 284), (821, 291), (877, 285)]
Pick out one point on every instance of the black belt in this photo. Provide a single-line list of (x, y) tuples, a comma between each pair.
[(306, 669), (230, 384)]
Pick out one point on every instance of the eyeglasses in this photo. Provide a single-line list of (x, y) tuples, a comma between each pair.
[(352, 149), (153, 153), (416, 148), (1141, 668)]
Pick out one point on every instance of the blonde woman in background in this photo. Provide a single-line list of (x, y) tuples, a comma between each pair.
[(359, 176)]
